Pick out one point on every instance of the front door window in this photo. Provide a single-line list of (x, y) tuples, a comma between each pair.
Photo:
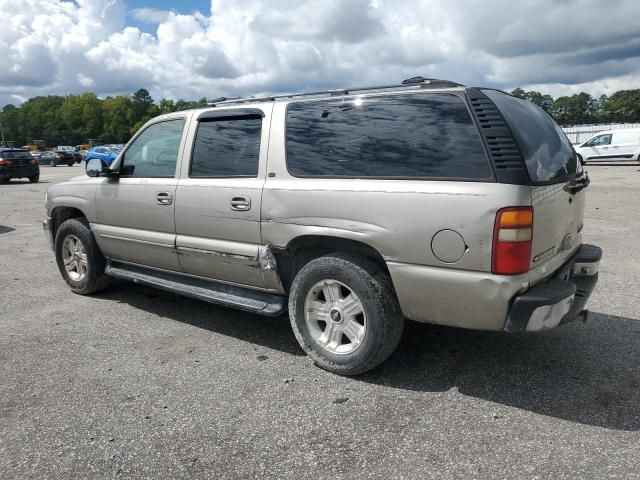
[(154, 153)]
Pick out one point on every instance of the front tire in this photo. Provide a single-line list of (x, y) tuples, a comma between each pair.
[(34, 178), (79, 259), (53, 163), (344, 313)]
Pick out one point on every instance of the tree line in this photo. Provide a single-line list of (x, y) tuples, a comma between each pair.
[(74, 119), (622, 106)]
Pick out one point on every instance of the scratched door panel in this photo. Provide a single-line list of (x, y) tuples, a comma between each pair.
[(219, 196)]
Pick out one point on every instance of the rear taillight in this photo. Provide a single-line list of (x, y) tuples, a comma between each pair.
[(4, 163), (59, 156), (512, 237), (33, 161)]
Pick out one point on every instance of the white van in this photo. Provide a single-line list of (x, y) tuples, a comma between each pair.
[(611, 146)]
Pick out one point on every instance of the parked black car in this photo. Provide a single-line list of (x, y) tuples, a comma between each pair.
[(58, 157), (18, 163), (69, 148)]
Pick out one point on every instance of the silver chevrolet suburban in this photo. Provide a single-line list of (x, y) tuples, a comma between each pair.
[(353, 209)]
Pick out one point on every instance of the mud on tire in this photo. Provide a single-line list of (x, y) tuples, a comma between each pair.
[(94, 278), (383, 320)]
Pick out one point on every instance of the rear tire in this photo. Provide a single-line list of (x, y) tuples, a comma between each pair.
[(34, 178), (79, 259), (69, 164), (53, 163), (344, 313)]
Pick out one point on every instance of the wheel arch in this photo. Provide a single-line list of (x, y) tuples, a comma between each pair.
[(304, 248), (61, 214)]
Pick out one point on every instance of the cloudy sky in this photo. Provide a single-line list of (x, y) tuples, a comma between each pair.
[(194, 48)]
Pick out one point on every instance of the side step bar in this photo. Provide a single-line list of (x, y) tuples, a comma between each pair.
[(209, 291)]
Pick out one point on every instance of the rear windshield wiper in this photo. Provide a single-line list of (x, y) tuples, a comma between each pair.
[(577, 184)]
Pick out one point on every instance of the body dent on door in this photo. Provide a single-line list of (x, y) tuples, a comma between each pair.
[(217, 237)]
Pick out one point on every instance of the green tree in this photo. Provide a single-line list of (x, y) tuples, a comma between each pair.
[(623, 106), (9, 123), (40, 119), (82, 118), (167, 106), (119, 116), (575, 109), (142, 102), (543, 101)]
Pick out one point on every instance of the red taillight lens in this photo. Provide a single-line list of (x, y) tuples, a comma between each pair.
[(4, 163), (33, 161), (512, 237), (58, 155)]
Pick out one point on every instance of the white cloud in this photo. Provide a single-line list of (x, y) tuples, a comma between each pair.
[(595, 88), (85, 80), (258, 46), (150, 15)]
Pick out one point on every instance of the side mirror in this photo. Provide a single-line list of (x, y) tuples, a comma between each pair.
[(95, 167)]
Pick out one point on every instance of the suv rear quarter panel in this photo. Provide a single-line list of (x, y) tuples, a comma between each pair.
[(399, 218)]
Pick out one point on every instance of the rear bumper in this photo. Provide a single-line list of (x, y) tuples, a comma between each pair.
[(19, 172), (561, 298)]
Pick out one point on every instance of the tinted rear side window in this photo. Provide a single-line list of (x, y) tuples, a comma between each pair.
[(546, 149), (403, 136), (227, 148)]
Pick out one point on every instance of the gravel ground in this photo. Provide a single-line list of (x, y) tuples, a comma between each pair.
[(137, 383)]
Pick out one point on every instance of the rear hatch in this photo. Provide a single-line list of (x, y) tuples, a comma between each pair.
[(66, 155), (16, 158), (558, 183)]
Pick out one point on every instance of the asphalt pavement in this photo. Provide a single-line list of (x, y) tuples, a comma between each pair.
[(138, 383)]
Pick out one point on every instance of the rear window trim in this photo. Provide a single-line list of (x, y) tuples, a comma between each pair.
[(491, 179)]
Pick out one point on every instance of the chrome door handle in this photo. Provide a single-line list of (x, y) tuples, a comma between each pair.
[(241, 203), (164, 198)]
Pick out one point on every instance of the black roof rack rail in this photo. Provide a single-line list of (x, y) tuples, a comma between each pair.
[(436, 82), (226, 101), (413, 82)]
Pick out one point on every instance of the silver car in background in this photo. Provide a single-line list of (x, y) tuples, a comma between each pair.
[(353, 209)]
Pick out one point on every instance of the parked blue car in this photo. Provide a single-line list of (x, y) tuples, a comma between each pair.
[(106, 154)]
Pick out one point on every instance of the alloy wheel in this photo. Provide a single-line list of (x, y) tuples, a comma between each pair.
[(335, 317), (74, 257)]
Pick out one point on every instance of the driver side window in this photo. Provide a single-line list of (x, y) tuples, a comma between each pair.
[(154, 153)]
